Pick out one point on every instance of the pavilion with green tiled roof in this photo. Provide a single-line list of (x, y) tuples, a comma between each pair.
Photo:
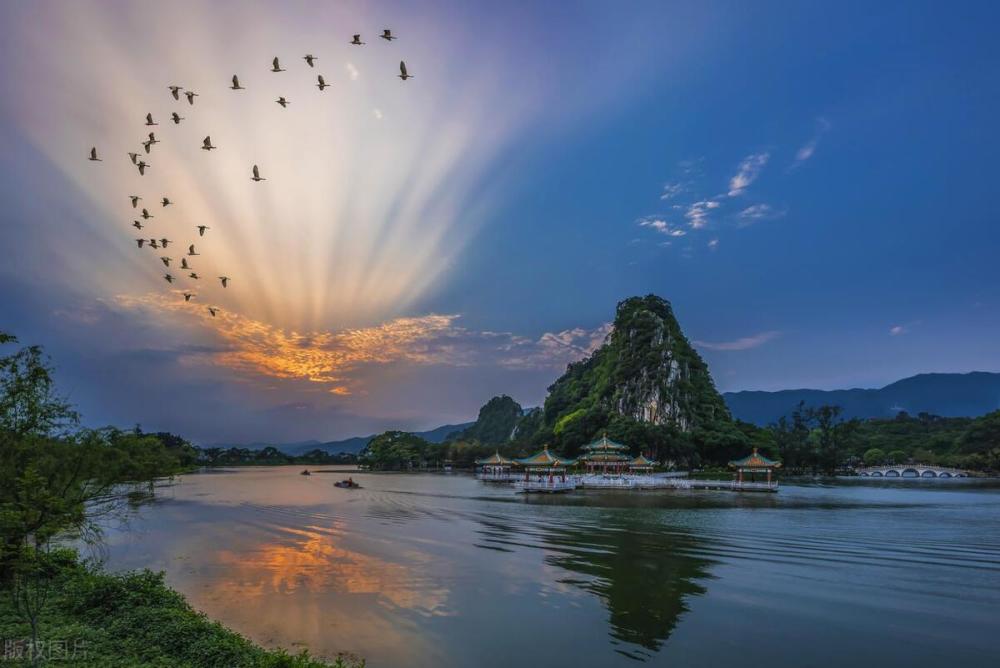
[(606, 455), (496, 459), (641, 463), (753, 464), (545, 462)]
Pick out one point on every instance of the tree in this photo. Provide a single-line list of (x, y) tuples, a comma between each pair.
[(874, 457), (897, 456), (29, 404)]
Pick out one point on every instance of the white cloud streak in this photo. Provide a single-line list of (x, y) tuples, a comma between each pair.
[(747, 172), (745, 343)]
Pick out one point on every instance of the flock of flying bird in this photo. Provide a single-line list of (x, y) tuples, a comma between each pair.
[(151, 140)]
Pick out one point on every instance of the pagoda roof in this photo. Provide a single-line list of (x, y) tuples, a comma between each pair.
[(545, 458), (755, 461), (642, 461), (496, 459), (604, 444)]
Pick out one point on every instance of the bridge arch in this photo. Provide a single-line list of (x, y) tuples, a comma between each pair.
[(928, 473), (944, 474), (892, 473), (876, 474), (910, 473)]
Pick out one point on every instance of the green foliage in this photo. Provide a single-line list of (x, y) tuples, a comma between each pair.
[(874, 457), (134, 619), (29, 404), (395, 450), (496, 422)]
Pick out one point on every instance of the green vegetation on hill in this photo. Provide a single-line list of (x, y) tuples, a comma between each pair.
[(498, 419)]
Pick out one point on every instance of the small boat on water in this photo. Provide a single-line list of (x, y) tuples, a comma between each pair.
[(347, 484), (305, 472)]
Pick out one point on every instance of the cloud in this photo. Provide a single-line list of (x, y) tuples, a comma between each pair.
[(747, 172), (257, 351), (697, 213), (758, 212), (897, 330), (672, 190), (746, 343), (713, 244), (807, 150), (661, 226)]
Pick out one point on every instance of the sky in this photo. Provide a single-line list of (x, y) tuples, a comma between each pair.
[(811, 185)]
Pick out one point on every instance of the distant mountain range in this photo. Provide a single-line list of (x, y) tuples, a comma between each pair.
[(944, 394), (353, 445)]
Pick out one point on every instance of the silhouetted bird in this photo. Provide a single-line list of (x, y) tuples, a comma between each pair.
[(142, 167), (212, 311), (191, 250), (201, 230), (140, 242), (146, 215), (164, 242), (175, 91), (134, 157), (191, 95), (194, 276), (402, 72), (207, 144), (184, 264), (136, 224), (225, 281), (387, 35), (168, 278), (165, 202), (146, 146), (152, 138), (275, 66), (282, 101), (149, 120), (236, 84), (135, 200), (256, 175), (153, 244), (188, 296), (322, 83), (176, 118), (165, 260), (310, 59), (93, 155), (357, 40)]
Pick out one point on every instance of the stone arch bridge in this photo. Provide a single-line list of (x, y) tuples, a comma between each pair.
[(910, 471)]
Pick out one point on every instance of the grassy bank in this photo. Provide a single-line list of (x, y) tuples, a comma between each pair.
[(98, 619)]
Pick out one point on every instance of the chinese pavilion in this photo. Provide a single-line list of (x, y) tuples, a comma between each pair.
[(605, 456), (754, 464)]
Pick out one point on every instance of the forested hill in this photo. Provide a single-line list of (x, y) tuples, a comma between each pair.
[(943, 394)]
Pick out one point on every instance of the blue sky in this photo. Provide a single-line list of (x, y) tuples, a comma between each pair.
[(810, 185)]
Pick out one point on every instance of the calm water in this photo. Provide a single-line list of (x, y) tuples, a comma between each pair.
[(441, 570)]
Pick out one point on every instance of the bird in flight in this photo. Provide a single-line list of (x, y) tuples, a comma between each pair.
[(322, 82), (236, 83), (194, 276), (146, 215), (188, 296), (149, 142), (256, 176), (191, 250), (153, 244), (93, 155), (166, 202), (310, 59), (176, 118), (134, 157), (275, 66), (165, 260), (142, 167), (184, 264), (149, 120), (225, 281), (175, 91), (357, 40), (387, 35), (135, 200), (283, 102), (201, 230), (136, 224), (164, 242), (212, 311), (140, 242), (402, 72), (191, 95), (168, 278), (207, 144)]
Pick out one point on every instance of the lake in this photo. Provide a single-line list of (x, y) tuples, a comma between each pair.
[(442, 570)]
